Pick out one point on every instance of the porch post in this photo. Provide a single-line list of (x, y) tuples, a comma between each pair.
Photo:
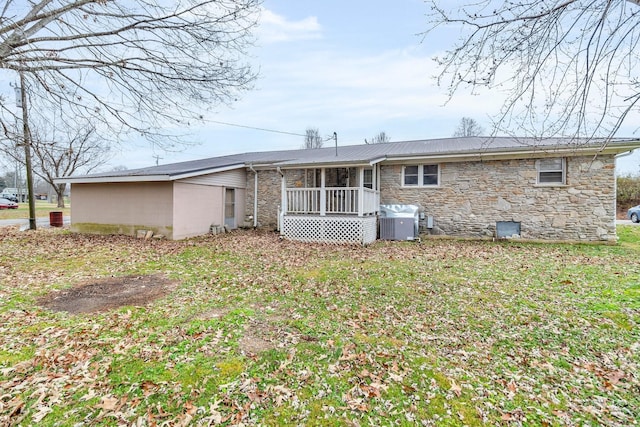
[(323, 193), (374, 177), (361, 191), (283, 191), (376, 185)]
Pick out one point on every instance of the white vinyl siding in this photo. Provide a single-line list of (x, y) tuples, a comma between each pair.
[(236, 178)]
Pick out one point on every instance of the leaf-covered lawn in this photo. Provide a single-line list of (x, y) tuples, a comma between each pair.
[(261, 331)]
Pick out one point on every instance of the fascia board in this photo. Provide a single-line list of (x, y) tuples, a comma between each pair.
[(106, 179), (323, 165), (207, 171), (329, 164), (144, 178), (519, 154)]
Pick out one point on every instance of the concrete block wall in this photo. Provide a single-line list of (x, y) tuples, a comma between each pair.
[(473, 196)]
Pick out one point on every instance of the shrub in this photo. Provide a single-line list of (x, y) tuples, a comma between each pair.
[(628, 190)]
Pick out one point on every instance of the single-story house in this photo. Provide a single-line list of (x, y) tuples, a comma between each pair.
[(546, 189)]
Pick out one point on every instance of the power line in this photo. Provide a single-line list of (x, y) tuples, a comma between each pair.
[(253, 127)]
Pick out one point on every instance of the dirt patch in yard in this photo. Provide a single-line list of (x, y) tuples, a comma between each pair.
[(109, 293)]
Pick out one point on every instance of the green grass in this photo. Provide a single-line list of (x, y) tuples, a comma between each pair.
[(268, 332)]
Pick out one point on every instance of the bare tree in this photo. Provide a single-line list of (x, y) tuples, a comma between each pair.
[(138, 65), (379, 138), (59, 153), (571, 67), (312, 138), (468, 127)]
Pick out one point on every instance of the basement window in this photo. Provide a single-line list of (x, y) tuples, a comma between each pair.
[(551, 171)]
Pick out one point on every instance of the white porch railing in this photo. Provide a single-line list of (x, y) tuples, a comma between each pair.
[(303, 201), (334, 200)]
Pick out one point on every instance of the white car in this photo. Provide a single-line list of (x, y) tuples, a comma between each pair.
[(8, 204)]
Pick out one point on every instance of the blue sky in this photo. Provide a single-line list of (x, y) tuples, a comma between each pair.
[(354, 67)]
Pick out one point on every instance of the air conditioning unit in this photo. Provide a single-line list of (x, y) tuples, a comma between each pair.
[(397, 229)]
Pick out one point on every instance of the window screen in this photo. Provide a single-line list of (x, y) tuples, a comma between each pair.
[(411, 175), (551, 171), (368, 178), (430, 175)]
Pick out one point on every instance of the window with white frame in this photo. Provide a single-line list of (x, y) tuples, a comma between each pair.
[(367, 180), (421, 175), (552, 171)]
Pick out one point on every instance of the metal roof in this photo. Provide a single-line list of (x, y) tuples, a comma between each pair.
[(450, 149)]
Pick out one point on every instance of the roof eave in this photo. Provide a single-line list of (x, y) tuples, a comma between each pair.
[(326, 164), (107, 179), (145, 178), (208, 171), (516, 154)]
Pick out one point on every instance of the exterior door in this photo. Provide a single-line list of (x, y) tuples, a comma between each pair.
[(230, 208)]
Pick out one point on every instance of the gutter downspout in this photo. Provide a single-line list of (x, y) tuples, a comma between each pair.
[(255, 196), (283, 199), (621, 155)]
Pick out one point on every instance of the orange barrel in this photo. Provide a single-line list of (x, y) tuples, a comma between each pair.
[(56, 219)]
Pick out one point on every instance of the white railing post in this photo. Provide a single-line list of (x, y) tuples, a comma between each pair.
[(323, 193)]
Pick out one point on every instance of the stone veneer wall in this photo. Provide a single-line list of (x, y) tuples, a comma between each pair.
[(269, 195), (472, 196)]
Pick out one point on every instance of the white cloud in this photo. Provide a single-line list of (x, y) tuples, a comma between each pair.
[(275, 28), (350, 91)]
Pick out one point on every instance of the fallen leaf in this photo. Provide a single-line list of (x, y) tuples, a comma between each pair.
[(108, 403), (42, 412), (455, 388), (506, 417)]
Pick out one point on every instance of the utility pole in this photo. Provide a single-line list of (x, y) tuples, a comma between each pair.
[(27, 154)]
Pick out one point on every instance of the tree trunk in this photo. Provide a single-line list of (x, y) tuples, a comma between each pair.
[(60, 194)]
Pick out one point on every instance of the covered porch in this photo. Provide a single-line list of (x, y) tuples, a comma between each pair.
[(331, 205)]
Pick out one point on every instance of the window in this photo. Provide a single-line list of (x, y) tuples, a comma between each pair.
[(421, 175), (230, 207), (411, 175), (430, 175), (551, 171), (367, 180)]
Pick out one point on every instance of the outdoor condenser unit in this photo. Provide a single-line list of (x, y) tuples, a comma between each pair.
[(396, 229), (398, 222)]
